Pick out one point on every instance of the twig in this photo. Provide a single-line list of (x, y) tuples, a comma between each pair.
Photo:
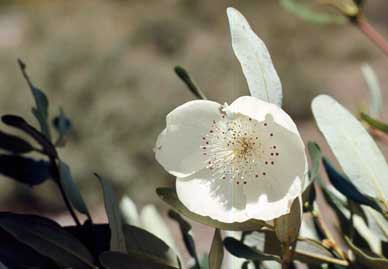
[(365, 27), (57, 178)]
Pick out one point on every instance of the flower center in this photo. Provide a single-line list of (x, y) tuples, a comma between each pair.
[(240, 149)]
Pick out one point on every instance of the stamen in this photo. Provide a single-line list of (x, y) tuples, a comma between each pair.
[(238, 149)]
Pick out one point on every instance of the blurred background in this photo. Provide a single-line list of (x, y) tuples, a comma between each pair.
[(109, 65)]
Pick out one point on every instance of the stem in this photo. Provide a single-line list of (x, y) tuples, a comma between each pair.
[(56, 176), (361, 23), (329, 236), (286, 256)]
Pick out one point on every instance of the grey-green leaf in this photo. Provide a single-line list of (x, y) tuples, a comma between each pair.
[(187, 235), (307, 250), (49, 239), (14, 144), (169, 196), (117, 242), (240, 250), (117, 260), (71, 189), (216, 253), (41, 110), (379, 125), (141, 241), (287, 226), (302, 11), (354, 148), (376, 100), (365, 260)]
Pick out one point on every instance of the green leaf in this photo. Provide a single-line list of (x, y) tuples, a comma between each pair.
[(14, 144), (21, 124), (11, 250), (71, 189), (153, 222), (365, 260), (169, 196), (185, 77), (117, 242), (374, 123), (25, 170), (354, 148), (287, 226), (47, 238), (141, 241), (307, 250), (345, 186), (216, 253), (309, 195), (41, 110), (315, 157), (302, 11), (240, 250), (117, 260), (186, 232)]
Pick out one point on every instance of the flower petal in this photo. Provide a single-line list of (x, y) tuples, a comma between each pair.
[(250, 50), (291, 145), (178, 147), (206, 196), (228, 202), (257, 109)]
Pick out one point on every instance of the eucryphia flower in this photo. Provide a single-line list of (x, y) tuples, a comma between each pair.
[(240, 161)]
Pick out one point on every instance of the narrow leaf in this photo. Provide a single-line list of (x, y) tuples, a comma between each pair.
[(185, 77), (97, 238), (379, 125), (343, 185), (240, 250), (365, 260), (47, 238), (169, 196), (141, 241), (117, 260), (14, 144), (374, 90), (287, 226), (187, 235), (216, 253), (71, 189), (308, 14), (256, 63), (41, 102), (354, 148), (307, 250), (153, 222), (315, 156), (21, 124), (117, 242), (11, 250), (25, 170)]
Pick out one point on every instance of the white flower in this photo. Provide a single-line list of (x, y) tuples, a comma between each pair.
[(240, 161)]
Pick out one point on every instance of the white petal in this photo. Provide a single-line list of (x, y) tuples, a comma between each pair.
[(259, 110), (250, 50), (178, 147), (204, 195), (228, 202)]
